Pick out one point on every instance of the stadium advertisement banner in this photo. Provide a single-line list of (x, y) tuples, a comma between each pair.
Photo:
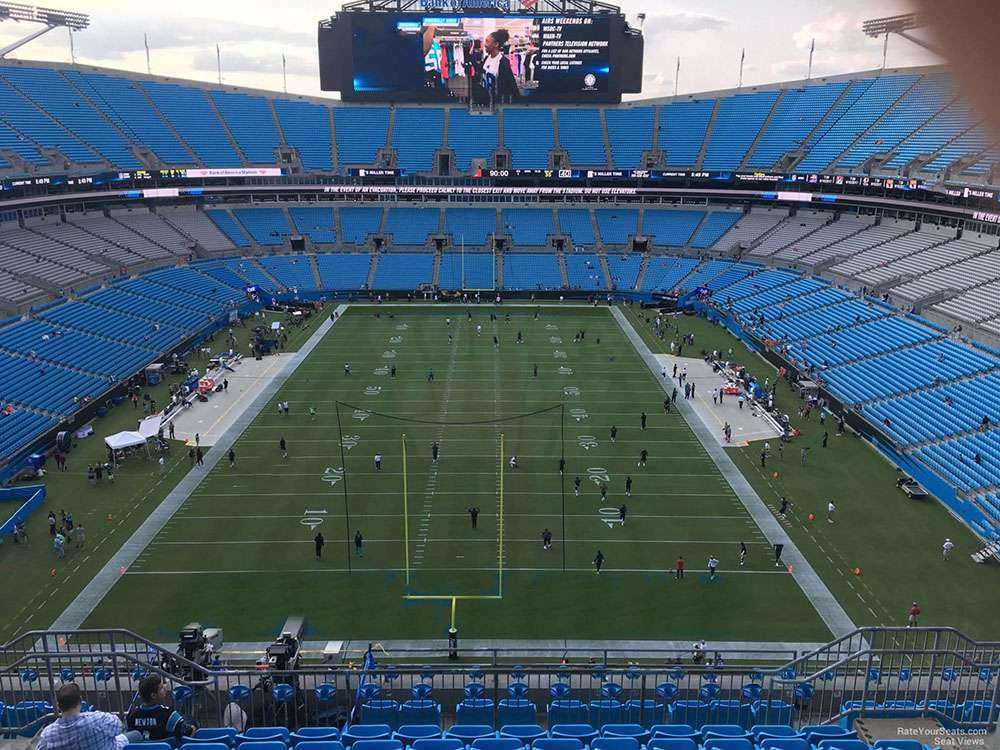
[(481, 59), (195, 174)]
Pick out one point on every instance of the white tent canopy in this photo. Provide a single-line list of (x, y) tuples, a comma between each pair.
[(125, 439), (149, 427)]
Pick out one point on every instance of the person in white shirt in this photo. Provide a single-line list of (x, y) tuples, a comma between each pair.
[(830, 510), (946, 549), (513, 462)]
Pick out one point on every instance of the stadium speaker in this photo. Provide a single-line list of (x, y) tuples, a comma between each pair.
[(64, 440)]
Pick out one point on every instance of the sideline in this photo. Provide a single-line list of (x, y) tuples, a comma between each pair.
[(822, 600), (87, 600)]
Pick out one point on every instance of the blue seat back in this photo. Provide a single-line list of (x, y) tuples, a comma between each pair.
[(438, 744), (357, 732), (816, 733), (685, 731), (761, 731), (516, 711), (380, 711), (783, 743), (497, 743), (567, 711), (671, 743), (645, 713), (772, 712), (319, 745), (693, 713), (614, 743), (605, 712), (166, 746), (474, 711), (636, 731), (852, 744), (527, 732), (421, 711), (557, 743), (410, 733), (728, 744), (377, 745), (314, 733), (224, 734), (719, 731), (583, 732), (469, 732)]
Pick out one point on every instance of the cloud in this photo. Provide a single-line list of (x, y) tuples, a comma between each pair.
[(117, 36), (681, 20), (237, 61)]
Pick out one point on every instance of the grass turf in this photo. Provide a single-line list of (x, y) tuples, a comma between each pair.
[(894, 541), (32, 597), (239, 554)]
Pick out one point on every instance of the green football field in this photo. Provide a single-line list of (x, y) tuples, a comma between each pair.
[(240, 553)]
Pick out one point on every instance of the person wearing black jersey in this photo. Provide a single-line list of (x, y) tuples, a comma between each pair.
[(152, 718)]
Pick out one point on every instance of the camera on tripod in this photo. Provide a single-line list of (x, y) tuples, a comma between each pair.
[(196, 645)]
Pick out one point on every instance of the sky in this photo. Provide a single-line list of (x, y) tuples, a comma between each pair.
[(708, 36)]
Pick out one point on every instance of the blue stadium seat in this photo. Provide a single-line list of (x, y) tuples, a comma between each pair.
[(568, 711), (474, 712), (261, 734), (783, 743), (318, 745), (605, 711), (303, 734), (212, 734), (671, 743), (772, 711), (557, 743), (448, 743), (645, 713), (410, 733), (816, 733), (250, 121), (764, 731), (306, 127), (470, 732), (728, 744), (361, 132), (690, 712), (637, 732), (527, 733), (515, 711), (835, 744), (718, 731), (420, 712), (615, 743), (498, 743), (257, 745), (387, 744), (381, 712), (365, 731), (585, 733), (682, 731), (168, 746)]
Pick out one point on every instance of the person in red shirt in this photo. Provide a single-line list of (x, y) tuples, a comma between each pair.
[(914, 614), (679, 569)]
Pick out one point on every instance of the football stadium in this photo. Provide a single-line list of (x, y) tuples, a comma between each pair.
[(487, 402)]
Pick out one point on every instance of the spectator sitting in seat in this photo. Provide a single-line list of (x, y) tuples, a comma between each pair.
[(152, 718), (95, 730)]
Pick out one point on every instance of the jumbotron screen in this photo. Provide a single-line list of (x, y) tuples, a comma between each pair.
[(480, 59)]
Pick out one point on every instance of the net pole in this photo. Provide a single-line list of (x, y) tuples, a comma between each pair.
[(406, 517), (500, 525), (562, 478), (343, 468)]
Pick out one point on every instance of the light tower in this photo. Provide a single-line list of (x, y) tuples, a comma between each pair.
[(49, 18)]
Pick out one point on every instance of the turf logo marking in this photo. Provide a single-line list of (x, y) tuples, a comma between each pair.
[(350, 441), (311, 518), (402, 327), (396, 340), (555, 340), (559, 354), (333, 475), (391, 354), (610, 516), (587, 441), (565, 370), (598, 475), (578, 414), (551, 327), (381, 371), (571, 390), (360, 414), (373, 390)]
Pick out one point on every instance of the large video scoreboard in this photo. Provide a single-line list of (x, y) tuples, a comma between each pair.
[(479, 58)]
